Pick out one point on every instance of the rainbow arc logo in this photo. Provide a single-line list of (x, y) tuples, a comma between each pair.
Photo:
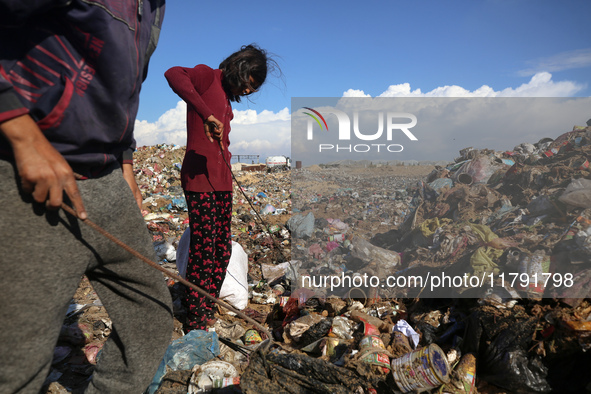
[(315, 118)]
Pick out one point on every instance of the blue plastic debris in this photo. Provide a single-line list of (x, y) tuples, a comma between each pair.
[(195, 348)]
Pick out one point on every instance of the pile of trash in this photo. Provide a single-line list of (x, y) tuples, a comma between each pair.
[(514, 229), (520, 219)]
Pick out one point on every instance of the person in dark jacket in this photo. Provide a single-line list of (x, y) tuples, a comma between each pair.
[(70, 77)]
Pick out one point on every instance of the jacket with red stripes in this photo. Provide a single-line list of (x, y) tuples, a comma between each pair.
[(76, 66)]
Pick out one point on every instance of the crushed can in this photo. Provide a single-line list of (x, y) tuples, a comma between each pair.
[(380, 359)]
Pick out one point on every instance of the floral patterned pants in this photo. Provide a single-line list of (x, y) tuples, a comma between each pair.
[(210, 215)]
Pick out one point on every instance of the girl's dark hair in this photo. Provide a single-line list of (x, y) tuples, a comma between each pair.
[(249, 61)]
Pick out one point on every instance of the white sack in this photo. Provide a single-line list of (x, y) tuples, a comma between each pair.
[(235, 286)]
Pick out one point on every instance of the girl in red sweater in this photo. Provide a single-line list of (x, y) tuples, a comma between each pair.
[(205, 176)]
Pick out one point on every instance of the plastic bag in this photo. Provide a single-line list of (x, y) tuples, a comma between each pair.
[(182, 253), (195, 348), (577, 193), (387, 260), (267, 209), (440, 183), (480, 169), (315, 332), (501, 343), (164, 251), (272, 272), (301, 226), (405, 328), (235, 286), (342, 327), (212, 375)]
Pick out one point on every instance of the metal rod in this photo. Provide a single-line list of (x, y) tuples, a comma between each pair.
[(171, 274)]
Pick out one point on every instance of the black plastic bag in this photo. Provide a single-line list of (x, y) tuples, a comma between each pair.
[(501, 343)]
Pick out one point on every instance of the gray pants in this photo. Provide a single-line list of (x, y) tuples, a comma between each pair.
[(43, 256)]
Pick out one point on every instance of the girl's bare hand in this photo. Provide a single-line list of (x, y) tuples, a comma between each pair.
[(214, 129)]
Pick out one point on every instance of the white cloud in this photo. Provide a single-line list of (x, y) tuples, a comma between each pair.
[(579, 58), (250, 116), (264, 133), (271, 135), (169, 128), (355, 93), (540, 85)]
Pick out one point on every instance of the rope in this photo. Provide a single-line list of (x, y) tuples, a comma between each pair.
[(264, 225)]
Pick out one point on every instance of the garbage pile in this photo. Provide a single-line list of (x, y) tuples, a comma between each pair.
[(520, 219), (164, 206), (517, 224)]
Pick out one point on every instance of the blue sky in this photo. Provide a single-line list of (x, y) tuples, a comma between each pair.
[(378, 48)]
